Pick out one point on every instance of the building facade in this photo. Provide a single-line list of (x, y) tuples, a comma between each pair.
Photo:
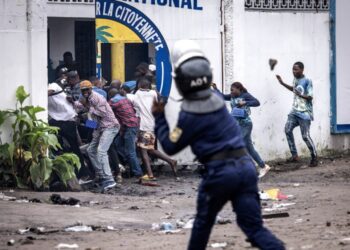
[(239, 38)]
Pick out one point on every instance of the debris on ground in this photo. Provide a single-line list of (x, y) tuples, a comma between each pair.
[(273, 194), (222, 221), (275, 215), (66, 246), (278, 207), (4, 197), (219, 245), (11, 242), (81, 228), (58, 200)]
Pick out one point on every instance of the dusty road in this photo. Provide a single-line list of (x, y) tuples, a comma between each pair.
[(318, 208)]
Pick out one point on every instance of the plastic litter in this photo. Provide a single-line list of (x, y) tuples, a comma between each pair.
[(66, 246), (345, 241), (166, 226), (278, 207), (79, 229), (11, 242), (272, 194), (222, 221), (189, 224), (4, 197), (219, 245)]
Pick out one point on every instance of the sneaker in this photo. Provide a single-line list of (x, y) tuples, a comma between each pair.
[(313, 162), (293, 159), (107, 184), (263, 171)]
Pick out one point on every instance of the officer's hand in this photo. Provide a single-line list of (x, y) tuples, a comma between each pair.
[(158, 107), (214, 86)]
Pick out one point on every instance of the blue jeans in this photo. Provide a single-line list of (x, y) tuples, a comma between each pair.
[(292, 122), (97, 151), (234, 181), (246, 128), (126, 145)]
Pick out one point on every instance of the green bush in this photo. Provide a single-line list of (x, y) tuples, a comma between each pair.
[(25, 161)]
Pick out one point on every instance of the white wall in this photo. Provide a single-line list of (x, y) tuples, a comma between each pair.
[(287, 37), (23, 49), (77, 10)]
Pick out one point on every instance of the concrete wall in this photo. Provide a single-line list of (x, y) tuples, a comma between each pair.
[(251, 38), (23, 49), (77, 10)]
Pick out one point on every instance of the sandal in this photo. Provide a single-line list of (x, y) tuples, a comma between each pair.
[(148, 178)]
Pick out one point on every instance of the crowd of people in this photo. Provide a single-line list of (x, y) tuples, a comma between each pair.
[(110, 126), (121, 122)]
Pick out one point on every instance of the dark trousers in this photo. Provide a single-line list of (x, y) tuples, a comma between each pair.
[(68, 130), (235, 181)]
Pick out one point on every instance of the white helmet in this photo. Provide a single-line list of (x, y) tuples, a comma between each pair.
[(192, 70)]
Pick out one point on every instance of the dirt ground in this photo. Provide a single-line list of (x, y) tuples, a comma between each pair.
[(318, 209)]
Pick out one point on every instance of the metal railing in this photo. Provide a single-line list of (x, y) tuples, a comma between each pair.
[(287, 5), (72, 1)]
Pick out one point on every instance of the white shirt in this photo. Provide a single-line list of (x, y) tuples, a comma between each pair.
[(143, 103), (58, 106)]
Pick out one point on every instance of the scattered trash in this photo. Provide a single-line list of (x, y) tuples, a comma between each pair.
[(64, 245), (276, 215), (219, 245), (35, 200), (272, 194), (278, 207), (345, 242), (166, 226), (222, 221), (134, 208), (4, 197), (57, 199), (81, 228), (180, 223), (36, 230), (307, 247), (155, 226), (111, 228), (328, 223), (296, 185), (23, 231), (189, 224), (165, 202), (299, 220), (11, 242)]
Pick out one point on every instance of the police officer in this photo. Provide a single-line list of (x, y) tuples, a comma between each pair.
[(215, 138)]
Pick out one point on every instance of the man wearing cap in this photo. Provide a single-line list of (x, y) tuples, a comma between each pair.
[(73, 88), (103, 136)]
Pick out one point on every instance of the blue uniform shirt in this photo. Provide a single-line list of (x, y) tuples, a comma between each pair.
[(205, 133)]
